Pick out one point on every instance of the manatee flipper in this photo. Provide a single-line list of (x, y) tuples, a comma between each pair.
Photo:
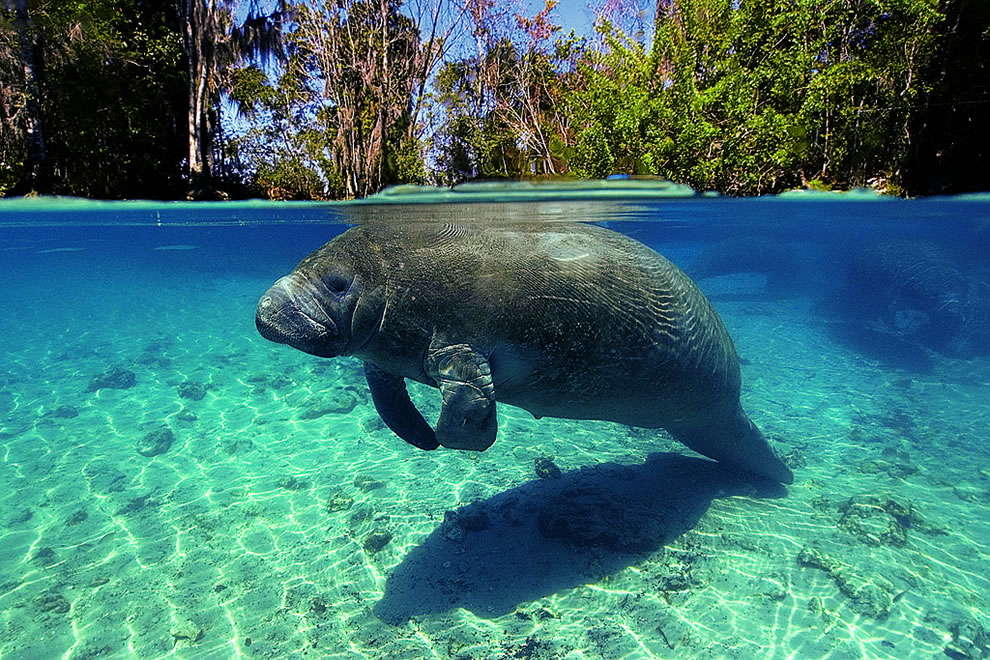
[(396, 410), (467, 417)]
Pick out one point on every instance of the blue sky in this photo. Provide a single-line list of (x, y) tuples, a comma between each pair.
[(575, 15)]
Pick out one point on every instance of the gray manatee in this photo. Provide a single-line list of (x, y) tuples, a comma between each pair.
[(563, 320), (910, 288)]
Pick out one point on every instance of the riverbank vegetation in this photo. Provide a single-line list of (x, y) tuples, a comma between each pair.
[(340, 98)]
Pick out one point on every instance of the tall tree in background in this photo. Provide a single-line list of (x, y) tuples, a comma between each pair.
[(365, 58), (441, 26), (21, 96), (757, 97), (504, 107), (283, 153), (213, 45), (106, 75), (352, 107)]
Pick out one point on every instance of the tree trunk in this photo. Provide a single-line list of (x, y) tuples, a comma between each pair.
[(197, 18), (36, 176)]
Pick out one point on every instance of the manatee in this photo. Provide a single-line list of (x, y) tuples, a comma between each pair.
[(973, 338), (563, 320), (909, 289)]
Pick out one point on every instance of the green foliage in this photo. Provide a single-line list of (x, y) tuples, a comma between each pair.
[(742, 97), (282, 152), (504, 109), (757, 96), (13, 147), (249, 89), (404, 161), (289, 178), (364, 58), (111, 85)]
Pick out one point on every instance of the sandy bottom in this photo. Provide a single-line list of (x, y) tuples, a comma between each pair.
[(281, 518)]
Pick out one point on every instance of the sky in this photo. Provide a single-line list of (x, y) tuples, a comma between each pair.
[(574, 15), (577, 15)]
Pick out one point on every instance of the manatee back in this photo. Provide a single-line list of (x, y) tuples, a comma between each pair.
[(909, 275), (579, 321)]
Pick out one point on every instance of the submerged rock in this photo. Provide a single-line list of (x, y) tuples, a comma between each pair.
[(193, 390), (21, 517), (134, 505), (795, 458), (897, 469), (117, 378), (871, 524), (186, 631), (44, 556), (458, 522), (64, 412), (264, 382), (360, 516), (376, 541), (870, 596), (156, 442), (338, 501), (546, 468), (52, 602), (337, 403), (291, 483), (367, 484), (881, 520), (969, 640)]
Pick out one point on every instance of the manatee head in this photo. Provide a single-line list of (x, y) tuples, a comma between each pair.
[(329, 305)]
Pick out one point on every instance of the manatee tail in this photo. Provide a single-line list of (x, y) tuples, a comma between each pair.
[(736, 441)]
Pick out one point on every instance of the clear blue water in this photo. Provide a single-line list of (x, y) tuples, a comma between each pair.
[(171, 483)]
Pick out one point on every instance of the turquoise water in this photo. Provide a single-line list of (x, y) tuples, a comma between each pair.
[(171, 483)]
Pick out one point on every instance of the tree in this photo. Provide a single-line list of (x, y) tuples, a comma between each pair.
[(213, 45), (26, 98), (365, 57), (106, 75), (758, 97), (504, 107), (283, 155), (950, 129)]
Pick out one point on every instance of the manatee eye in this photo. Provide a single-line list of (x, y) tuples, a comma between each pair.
[(337, 284)]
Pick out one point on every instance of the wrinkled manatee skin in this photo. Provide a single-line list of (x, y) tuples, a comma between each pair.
[(572, 320)]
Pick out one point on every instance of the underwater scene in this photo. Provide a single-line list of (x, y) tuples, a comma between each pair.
[(207, 452)]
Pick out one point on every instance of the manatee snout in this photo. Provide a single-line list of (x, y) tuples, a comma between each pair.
[(294, 312)]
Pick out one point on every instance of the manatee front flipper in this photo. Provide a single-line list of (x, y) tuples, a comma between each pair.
[(396, 410), (467, 417)]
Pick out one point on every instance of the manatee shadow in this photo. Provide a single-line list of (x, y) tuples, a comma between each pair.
[(553, 534)]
